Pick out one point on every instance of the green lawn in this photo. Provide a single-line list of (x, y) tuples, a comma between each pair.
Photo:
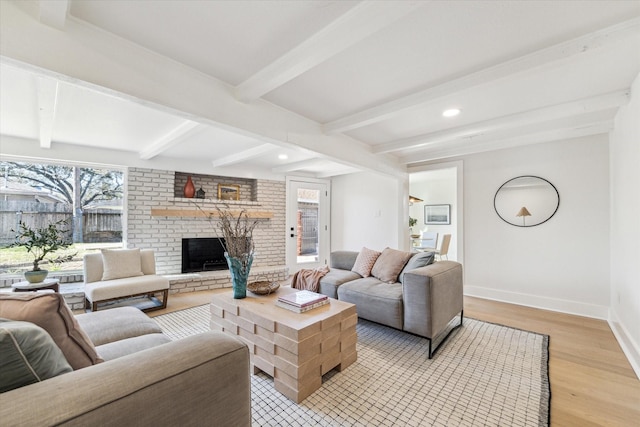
[(17, 260)]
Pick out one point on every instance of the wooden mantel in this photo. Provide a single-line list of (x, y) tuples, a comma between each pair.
[(207, 213)]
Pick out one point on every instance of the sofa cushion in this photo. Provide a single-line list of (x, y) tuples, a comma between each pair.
[(333, 279), (375, 300), (418, 260), (107, 326), (365, 261), (389, 264), (116, 349), (49, 311), (120, 288), (120, 263), (27, 355)]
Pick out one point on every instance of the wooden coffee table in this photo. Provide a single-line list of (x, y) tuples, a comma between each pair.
[(296, 349)]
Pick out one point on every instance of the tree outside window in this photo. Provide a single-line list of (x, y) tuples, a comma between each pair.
[(40, 194)]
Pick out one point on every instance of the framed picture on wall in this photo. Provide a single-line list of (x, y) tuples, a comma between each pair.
[(228, 192), (437, 214)]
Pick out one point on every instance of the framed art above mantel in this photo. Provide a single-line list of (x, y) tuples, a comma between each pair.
[(228, 192)]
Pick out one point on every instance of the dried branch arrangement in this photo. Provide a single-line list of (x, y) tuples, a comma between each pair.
[(237, 232)]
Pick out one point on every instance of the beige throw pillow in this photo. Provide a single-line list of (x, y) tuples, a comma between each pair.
[(365, 261), (51, 313), (389, 265), (120, 263)]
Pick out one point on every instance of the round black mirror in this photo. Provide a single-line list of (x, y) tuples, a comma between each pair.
[(526, 201)]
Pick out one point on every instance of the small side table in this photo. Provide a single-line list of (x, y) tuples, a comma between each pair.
[(53, 284)]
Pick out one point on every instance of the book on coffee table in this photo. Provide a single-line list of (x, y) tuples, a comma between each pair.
[(306, 308), (302, 298)]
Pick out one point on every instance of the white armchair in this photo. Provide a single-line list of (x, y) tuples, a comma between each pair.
[(123, 273)]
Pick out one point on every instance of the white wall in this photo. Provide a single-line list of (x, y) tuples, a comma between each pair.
[(625, 227), (562, 264), (365, 211), (435, 188)]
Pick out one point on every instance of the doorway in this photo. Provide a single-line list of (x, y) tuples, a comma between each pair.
[(307, 223), (439, 186)]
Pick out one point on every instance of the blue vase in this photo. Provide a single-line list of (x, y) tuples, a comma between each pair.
[(239, 269)]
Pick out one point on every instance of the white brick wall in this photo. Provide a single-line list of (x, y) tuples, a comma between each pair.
[(152, 188)]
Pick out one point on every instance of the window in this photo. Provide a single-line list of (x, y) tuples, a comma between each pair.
[(39, 194)]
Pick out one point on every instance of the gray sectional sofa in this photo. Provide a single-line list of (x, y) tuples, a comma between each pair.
[(423, 300), (117, 369)]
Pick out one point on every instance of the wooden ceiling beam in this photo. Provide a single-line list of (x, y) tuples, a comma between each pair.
[(336, 172), (556, 134), (358, 23), (586, 105), (47, 90), (243, 155), (552, 56), (171, 139), (100, 61), (53, 13), (296, 166)]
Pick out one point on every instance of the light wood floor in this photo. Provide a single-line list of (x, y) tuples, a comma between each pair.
[(592, 383)]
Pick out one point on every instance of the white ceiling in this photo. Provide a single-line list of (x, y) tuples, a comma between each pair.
[(371, 78)]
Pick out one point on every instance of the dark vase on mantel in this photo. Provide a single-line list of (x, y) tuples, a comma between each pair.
[(189, 189)]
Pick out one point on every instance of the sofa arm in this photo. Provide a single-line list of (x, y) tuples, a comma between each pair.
[(202, 379), (432, 296)]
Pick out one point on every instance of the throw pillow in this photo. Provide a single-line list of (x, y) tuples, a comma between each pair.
[(418, 260), (51, 313), (120, 263), (27, 355), (389, 264), (365, 261)]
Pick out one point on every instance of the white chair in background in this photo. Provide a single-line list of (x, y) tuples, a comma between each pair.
[(444, 247), (428, 241)]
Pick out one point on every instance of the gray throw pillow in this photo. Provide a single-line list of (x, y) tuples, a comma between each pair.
[(27, 355), (50, 311), (420, 259)]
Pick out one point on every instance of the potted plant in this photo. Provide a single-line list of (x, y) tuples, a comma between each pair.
[(40, 243), (412, 222)]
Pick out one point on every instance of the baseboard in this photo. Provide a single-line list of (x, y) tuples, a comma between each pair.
[(535, 301), (630, 348)]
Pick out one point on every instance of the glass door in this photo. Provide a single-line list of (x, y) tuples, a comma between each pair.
[(307, 223)]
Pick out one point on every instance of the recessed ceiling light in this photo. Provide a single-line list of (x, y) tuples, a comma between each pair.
[(283, 156), (452, 112)]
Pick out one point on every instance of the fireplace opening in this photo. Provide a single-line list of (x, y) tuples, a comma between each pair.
[(203, 254)]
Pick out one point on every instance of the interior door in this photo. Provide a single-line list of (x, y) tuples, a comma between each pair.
[(307, 223)]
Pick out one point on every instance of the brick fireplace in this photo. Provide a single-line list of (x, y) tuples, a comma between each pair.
[(161, 191)]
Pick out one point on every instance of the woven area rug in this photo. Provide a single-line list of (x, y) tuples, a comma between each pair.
[(484, 375)]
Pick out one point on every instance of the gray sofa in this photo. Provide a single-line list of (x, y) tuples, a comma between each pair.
[(423, 301), (145, 380)]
